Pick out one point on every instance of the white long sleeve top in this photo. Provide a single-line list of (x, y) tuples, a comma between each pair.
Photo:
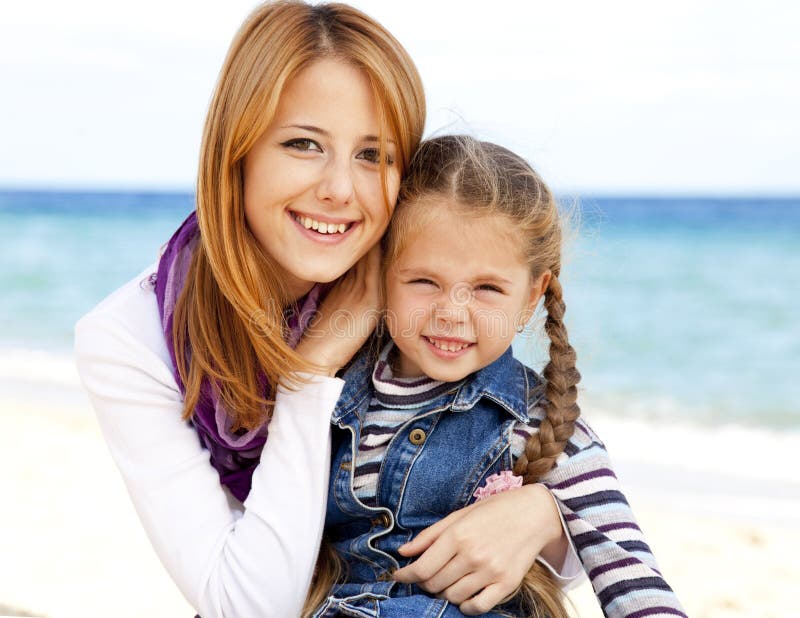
[(227, 558)]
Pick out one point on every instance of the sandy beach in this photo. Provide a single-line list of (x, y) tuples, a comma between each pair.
[(720, 508)]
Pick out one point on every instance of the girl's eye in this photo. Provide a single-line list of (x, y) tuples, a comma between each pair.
[(373, 155), (488, 287), (422, 281), (303, 145)]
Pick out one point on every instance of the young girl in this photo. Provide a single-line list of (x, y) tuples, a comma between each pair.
[(445, 413)]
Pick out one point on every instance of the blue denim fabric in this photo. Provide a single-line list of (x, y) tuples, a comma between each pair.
[(467, 434)]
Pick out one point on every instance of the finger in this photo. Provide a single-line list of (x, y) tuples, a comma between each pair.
[(428, 564), (485, 600), (373, 257), (372, 269), (368, 263), (428, 536), (464, 588), (448, 576)]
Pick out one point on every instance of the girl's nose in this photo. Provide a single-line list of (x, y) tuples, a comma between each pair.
[(336, 187), (452, 306)]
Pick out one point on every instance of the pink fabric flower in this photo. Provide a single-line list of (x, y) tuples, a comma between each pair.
[(498, 483)]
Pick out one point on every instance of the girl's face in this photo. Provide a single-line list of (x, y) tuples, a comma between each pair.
[(312, 182), (457, 294)]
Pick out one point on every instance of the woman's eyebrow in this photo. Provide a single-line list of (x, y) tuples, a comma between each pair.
[(320, 131), (307, 127)]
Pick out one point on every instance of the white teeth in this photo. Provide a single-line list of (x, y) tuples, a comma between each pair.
[(448, 347), (321, 226)]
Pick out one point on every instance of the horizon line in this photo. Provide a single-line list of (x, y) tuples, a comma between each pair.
[(569, 193)]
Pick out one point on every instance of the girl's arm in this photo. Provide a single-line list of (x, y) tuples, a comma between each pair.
[(228, 559), (612, 547)]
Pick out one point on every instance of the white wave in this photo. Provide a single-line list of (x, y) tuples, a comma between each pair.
[(725, 449), (38, 367)]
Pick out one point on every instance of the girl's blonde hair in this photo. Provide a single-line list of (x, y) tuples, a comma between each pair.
[(483, 179), (230, 312)]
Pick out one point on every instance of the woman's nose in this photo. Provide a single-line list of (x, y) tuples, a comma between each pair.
[(336, 186)]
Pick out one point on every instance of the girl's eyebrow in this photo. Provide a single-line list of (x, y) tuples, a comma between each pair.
[(493, 278), (414, 271), (320, 131), (483, 277)]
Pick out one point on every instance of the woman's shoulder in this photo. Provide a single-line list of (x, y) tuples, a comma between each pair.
[(129, 314)]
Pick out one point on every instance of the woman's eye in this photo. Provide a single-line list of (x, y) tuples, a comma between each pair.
[(303, 145), (373, 155)]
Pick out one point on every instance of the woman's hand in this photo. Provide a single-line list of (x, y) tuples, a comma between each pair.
[(477, 556), (347, 316)]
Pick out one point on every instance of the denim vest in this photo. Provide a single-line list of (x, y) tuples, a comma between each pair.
[(432, 466)]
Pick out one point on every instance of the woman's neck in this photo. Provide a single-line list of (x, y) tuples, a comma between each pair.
[(296, 289)]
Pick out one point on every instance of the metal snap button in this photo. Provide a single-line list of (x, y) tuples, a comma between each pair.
[(382, 521), (417, 437), (386, 576)]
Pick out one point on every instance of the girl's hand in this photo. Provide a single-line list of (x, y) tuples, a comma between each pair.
[(477, 556), (347, 316)]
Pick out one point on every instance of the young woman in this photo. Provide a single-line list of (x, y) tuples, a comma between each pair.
[(214, 404)]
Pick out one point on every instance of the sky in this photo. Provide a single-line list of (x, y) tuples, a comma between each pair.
[(681, 97)]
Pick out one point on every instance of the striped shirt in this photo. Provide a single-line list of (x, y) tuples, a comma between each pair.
[(394, 402)]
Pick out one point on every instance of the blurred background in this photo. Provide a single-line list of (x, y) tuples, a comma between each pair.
[(671, 130)]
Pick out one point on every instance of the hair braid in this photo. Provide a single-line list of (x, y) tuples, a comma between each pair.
[(480, 179), (561, 379)]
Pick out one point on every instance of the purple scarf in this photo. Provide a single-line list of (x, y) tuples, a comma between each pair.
[(234, 455)]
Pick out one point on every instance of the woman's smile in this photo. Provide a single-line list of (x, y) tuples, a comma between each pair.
[(314, 198)]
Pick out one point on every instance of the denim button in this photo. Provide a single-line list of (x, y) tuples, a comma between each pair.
[(417, 437), (386, 576), (382, 521)]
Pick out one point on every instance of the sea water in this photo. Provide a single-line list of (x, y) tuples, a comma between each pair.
[(679, 308)]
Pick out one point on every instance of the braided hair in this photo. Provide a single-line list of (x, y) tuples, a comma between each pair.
[(482, 178)]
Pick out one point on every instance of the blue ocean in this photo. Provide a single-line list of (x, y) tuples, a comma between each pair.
[(680, 309)]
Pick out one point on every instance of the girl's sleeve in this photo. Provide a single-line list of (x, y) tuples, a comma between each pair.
[(610, 544), (227, 559)]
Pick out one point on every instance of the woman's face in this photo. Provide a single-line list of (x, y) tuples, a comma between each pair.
[(312, 182)]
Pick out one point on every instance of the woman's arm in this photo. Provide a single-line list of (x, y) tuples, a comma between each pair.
[(228, 559), (477, 556), (603, 530), (612, 547)]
